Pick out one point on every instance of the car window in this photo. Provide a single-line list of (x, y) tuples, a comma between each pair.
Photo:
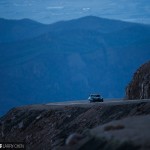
[(95, 95)]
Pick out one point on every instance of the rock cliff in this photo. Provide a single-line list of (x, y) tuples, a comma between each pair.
[(139, 87)]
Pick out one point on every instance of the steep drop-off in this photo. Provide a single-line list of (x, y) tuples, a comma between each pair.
[(48, 126)]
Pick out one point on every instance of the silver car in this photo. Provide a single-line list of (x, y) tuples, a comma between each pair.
[(95, 98)]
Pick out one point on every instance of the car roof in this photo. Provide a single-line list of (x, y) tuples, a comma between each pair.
[(94, 94)]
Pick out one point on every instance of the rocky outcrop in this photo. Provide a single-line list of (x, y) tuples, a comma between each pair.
[(139, 87), (122, 134)]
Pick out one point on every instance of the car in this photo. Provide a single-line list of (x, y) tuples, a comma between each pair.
[(95, 98)]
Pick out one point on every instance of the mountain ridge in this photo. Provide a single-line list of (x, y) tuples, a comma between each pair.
[(70, 60), (100, 22)]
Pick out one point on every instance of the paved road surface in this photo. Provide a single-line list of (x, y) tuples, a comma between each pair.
[(106, 102)]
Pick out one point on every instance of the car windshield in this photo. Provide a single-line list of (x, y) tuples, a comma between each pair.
[(95, 95)]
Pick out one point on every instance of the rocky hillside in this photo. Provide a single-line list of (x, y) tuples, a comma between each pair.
[(139, 87), (48, 126)]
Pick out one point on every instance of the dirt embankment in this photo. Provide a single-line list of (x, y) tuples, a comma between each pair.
[(47, 127)]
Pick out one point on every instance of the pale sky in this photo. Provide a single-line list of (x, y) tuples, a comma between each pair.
[(49, 11)]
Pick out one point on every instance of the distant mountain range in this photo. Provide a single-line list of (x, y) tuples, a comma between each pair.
[(68, 60)]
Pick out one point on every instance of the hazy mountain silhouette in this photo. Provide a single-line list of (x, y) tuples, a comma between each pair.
[(69, 59), (14, 30)]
